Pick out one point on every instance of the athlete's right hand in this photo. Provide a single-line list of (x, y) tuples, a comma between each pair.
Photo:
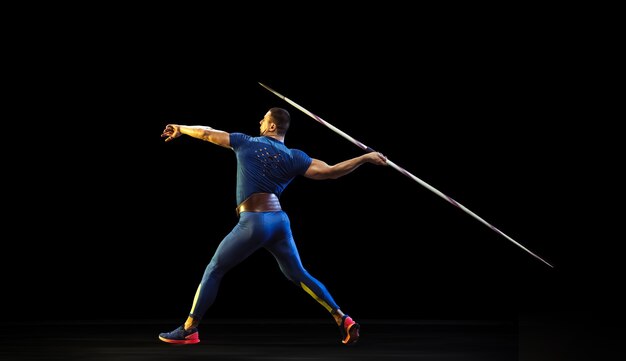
[(377, 158)]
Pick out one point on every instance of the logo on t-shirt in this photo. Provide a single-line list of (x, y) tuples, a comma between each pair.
[(269, 159)]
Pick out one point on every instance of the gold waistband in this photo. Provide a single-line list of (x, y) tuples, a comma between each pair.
[(259, 202)]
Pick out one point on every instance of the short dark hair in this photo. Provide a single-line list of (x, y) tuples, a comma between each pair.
[(281, 118)]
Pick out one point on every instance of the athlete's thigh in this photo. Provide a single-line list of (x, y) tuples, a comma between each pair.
[(243, 240), (283, 246)]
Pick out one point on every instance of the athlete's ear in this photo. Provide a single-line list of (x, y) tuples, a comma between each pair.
[(272, 126)]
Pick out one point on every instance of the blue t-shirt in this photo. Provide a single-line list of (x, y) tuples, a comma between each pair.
[(265, 164)]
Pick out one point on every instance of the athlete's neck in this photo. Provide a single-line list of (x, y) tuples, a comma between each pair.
[(276, 136)]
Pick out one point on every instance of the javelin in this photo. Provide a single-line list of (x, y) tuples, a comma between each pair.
[(401, 170)]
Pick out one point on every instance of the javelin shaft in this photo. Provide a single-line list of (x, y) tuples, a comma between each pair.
[(403, 171)]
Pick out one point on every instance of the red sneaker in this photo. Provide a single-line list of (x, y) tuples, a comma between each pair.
[(349, 330)]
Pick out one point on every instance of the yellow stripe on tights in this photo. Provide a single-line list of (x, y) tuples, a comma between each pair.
[(195, 298), (321, 301)]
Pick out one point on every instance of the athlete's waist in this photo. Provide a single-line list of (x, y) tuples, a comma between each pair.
[(259, 202)]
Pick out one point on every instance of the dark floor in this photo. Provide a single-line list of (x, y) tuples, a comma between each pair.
[(381, 340)]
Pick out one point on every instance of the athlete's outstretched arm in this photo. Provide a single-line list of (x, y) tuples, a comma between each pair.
[(321, 170), (219, 137)]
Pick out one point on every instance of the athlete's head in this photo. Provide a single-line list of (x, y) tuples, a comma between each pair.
[(276, 120)]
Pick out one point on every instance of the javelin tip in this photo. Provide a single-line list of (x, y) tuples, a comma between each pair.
[(272, 90)]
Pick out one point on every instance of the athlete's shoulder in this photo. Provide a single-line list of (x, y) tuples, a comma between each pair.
[(238, 138), (299, 153)]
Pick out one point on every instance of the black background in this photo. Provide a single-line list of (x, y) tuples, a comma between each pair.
[(108, 221)]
